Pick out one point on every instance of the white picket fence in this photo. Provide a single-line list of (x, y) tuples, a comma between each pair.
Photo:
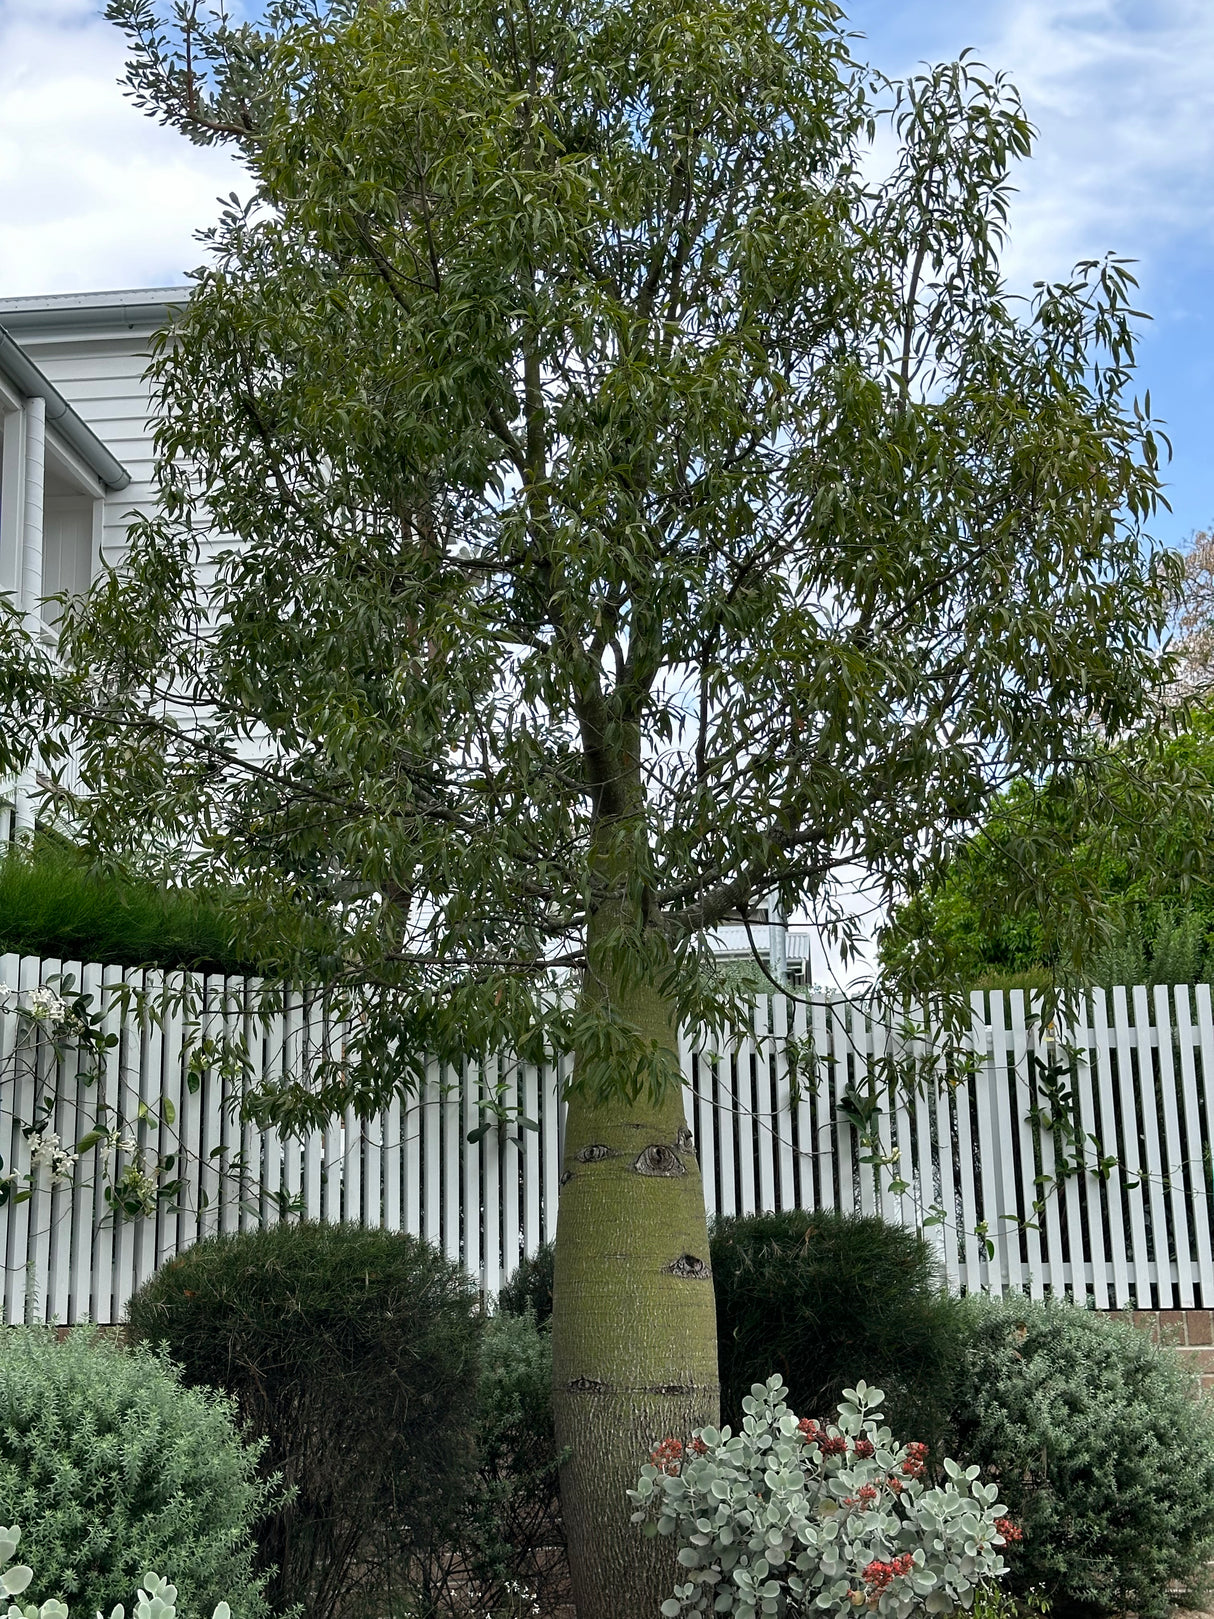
[(802, 1108)]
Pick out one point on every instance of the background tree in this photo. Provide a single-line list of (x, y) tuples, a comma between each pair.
[(640, 508), (1195, 620), (1130, 855), (1127, 845)]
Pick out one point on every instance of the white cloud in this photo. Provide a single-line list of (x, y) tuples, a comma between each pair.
[(93, 195), (1122, 92)]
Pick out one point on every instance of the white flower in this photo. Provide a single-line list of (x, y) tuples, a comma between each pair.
[(48, 1152), (47, 1006)]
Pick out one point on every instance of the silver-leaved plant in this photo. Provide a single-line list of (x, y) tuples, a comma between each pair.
[(789, 1517), (156, 1599)]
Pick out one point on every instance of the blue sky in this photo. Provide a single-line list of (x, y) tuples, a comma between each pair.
[(93, 195)]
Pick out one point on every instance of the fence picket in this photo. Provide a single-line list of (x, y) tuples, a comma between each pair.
[(471, 1169), (696, 1067), (726, 1114), (1153, 1165), (10, 1118), (92, 1164), (1174, 1167), (453, 1202), (316, 1038), (937, 1161), (491, 1250), (765, 1112), (45, 1209), (1130, 1151), (1188, 1038), (293, 1053), (552, 1081), (1068, 1189), (1021, 1099), (532, 1167), (508, 1148), (741, 1055)]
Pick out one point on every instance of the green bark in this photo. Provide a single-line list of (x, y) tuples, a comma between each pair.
[(634, 1317)]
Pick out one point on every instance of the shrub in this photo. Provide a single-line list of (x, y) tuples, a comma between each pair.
[(530, 1287), (824, 1299), (53, 904), (113, 1468), (789, 1515), (355, 1354), (157, 1601), (510, 1540), (1099, 1448)]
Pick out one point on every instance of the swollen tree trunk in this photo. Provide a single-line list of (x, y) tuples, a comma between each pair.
[(634, 1318)]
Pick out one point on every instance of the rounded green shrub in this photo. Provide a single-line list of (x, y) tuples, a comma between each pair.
[(112, 1468), (825, 1299), (1099, 1448), (355, 1354)]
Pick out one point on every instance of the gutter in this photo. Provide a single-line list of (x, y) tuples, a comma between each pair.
[(71, 428)]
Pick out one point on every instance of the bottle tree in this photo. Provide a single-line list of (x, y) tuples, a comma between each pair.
[(645, 497)]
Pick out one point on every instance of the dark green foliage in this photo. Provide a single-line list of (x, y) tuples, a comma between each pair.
[(51, 904), (530, 1287), (825, 1298), (1100, 1450), (355, 1353), (111, 1468), (1148, 910), (510, 1538)]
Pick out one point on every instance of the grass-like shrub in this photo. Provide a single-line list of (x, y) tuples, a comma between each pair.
[(53, 904), (355, 1354), (1100, 1450), (111, 1467), (826, 1299)]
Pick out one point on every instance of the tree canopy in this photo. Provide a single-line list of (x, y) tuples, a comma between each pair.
[(605, 443)]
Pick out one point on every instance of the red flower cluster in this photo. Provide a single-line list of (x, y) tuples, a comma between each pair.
[(836, 1446), (668, 1456), (866, 1494), (810, 1431), (895, 1484), (698, 1445), (1009, 1530), (878, 1575), (864, 1447), (916, 1456)]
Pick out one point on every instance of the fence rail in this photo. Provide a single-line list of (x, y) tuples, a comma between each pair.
[(1073, 1158)]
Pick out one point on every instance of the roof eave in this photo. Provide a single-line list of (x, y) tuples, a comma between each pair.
[(71, 428)]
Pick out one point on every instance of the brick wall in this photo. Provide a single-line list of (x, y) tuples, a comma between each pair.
[(1189, 1332)]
